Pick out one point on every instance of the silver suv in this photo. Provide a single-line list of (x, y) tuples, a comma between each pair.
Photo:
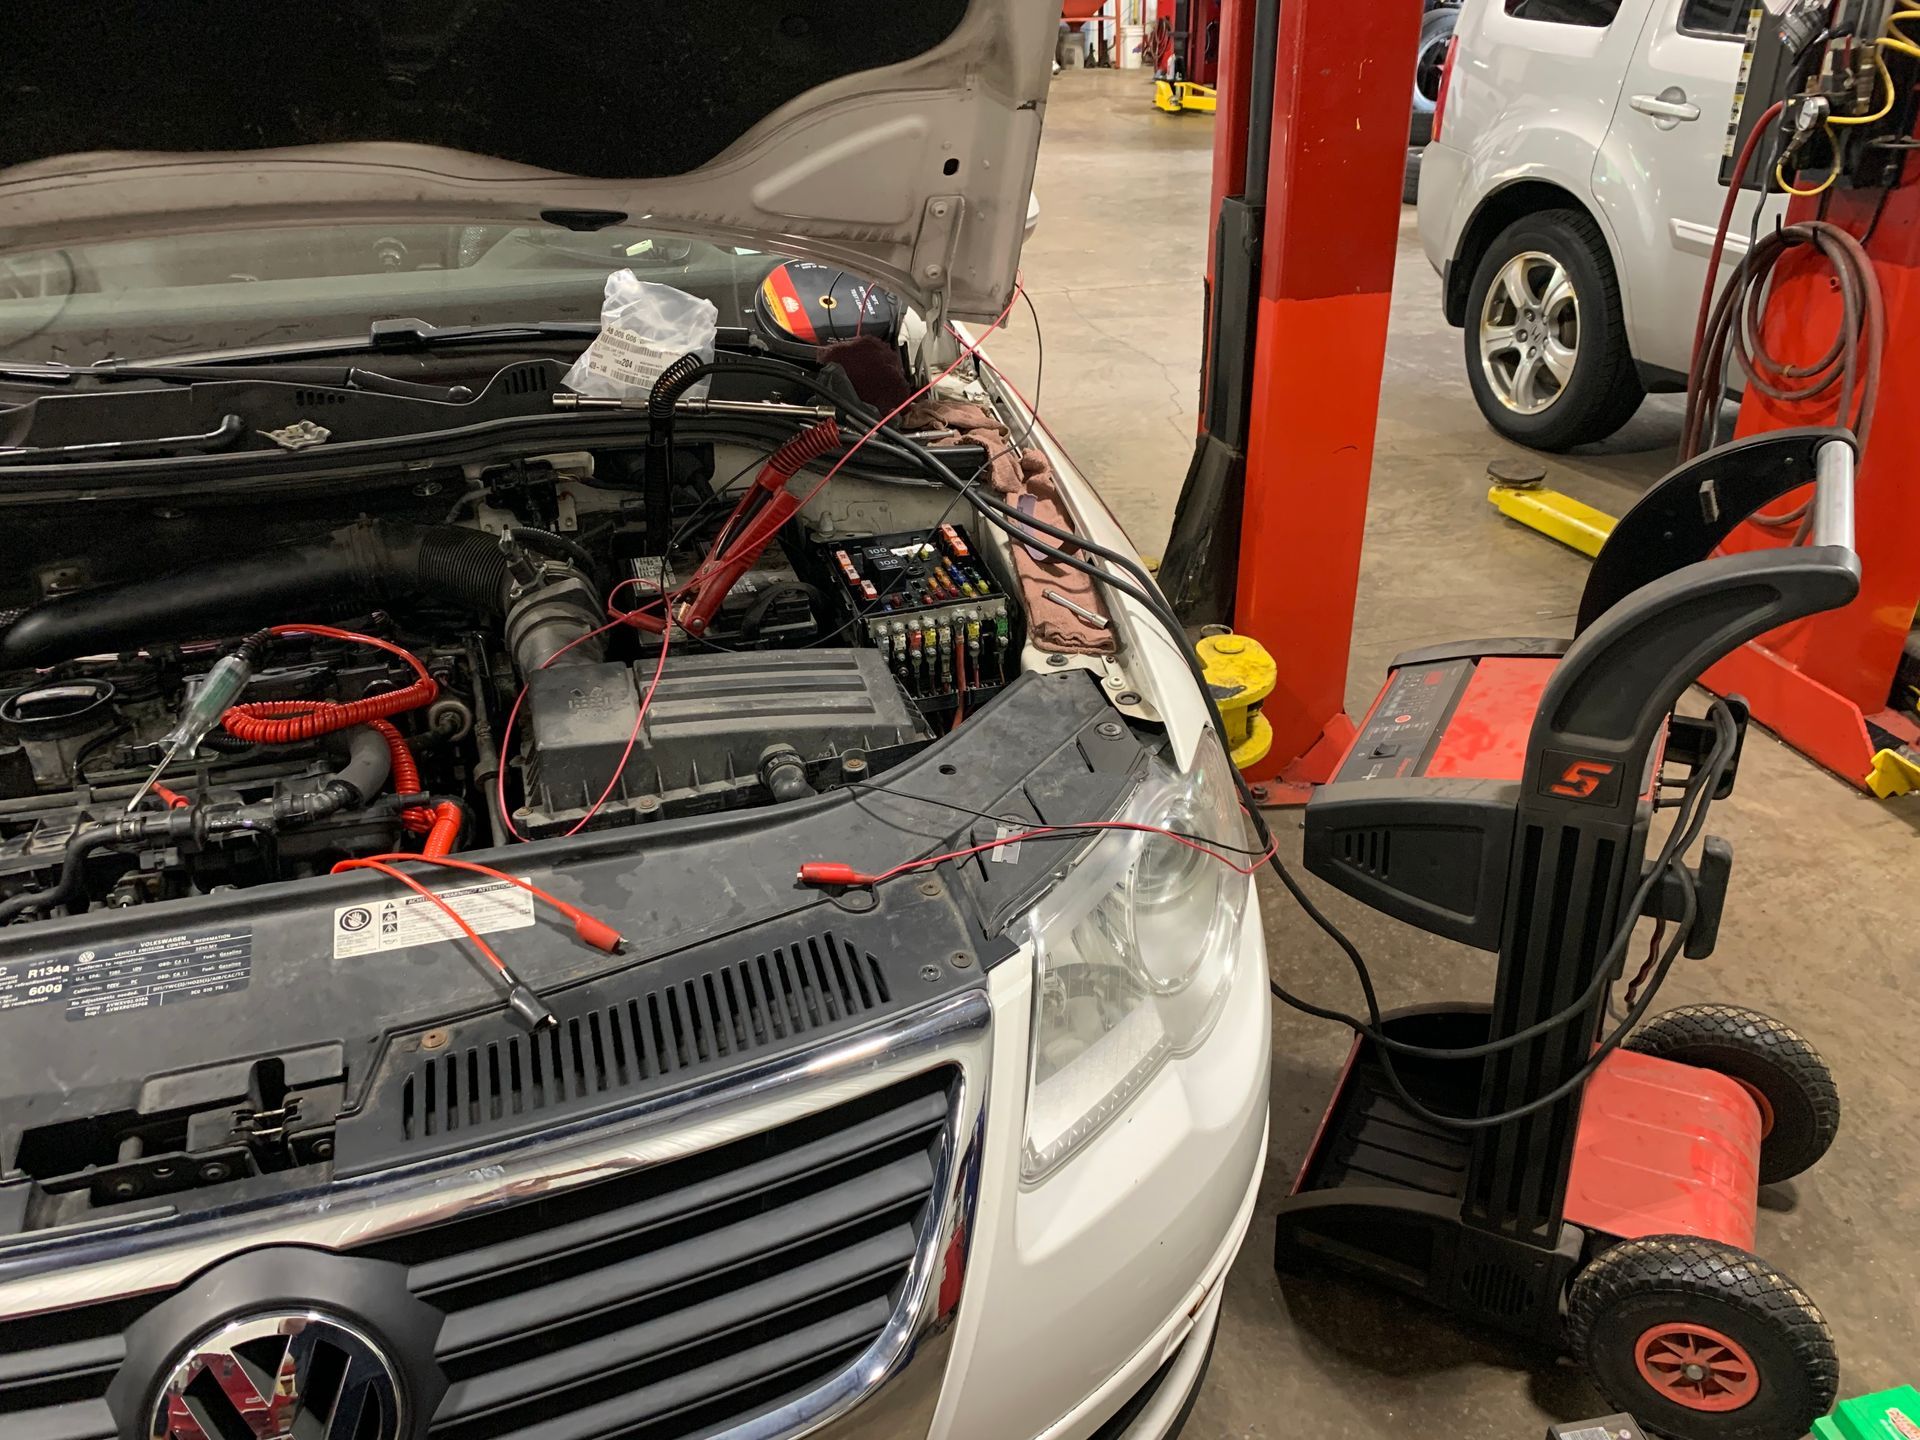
[(1569, 199)]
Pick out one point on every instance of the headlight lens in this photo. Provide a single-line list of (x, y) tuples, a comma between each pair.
[(1134, 952)]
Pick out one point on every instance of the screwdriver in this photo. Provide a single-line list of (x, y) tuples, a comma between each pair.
[(217, 692)]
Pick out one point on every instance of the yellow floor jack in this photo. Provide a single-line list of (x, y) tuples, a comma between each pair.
[(1178, 96)]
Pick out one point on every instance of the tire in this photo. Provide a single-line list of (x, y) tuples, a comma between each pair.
[(1599, 389), (1436, 29), (1410, 182), (1766, 1356), (1799, 1103)]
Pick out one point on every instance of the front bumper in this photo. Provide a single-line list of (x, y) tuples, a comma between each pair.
[(1022, 1311), (1082, 1287)]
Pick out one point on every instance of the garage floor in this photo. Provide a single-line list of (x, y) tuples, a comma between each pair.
[(1822, 925)]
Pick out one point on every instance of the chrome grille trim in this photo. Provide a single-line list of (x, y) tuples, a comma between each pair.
[(892, 1387)]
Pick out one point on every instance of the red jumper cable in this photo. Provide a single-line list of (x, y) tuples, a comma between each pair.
[(521, 997)]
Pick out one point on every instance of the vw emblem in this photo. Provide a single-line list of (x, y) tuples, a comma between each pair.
[(275, 1377)]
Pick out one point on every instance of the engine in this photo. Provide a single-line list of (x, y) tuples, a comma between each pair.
[(503, 670)]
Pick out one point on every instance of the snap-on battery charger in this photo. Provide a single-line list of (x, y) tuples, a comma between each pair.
[(1501, 793)]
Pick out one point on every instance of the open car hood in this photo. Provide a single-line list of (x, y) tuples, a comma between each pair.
[(895, 139)]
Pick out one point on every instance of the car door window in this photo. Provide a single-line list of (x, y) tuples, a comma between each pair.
[(1594, 14), (1715, 19)]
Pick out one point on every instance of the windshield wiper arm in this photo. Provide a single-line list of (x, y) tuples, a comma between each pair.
[(328, 377), (325, 377), (230, 429), (419, 335)]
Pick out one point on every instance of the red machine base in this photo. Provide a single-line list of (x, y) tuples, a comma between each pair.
[(1665, 1149)]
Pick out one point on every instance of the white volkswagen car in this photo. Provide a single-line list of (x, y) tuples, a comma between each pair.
[(564, 881), (1570, 197)]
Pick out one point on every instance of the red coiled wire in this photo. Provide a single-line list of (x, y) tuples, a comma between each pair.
[(281, 722)]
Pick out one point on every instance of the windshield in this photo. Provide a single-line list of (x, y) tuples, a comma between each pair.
[(180, 294)]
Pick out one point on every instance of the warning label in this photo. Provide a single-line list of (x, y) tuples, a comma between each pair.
[(415, 920), (110, 979)]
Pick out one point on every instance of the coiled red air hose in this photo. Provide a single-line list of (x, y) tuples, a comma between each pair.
[(279, 722)]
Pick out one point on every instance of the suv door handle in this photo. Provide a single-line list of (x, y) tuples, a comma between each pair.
[(1670, 104)]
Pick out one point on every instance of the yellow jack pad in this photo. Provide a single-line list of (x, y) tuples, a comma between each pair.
[(1241, 674), (1895, 772)]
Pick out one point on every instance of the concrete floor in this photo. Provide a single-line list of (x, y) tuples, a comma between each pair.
[(1822, 922)]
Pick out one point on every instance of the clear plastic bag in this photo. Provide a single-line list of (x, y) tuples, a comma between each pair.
[(644, 328)]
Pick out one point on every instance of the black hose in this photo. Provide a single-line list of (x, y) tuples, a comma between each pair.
[(671, 383), (560, 547), (82, 843), (369, 564)]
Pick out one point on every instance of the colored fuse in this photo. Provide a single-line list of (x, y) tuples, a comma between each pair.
[(956, 547), (899, 633), (867, 592)]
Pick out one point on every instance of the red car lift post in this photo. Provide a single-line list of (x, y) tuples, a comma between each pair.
[(1824, 684), (1309, 149)]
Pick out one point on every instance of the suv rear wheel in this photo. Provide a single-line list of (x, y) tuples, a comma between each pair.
[(1547, 349)]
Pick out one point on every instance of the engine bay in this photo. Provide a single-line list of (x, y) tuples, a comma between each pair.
[(429, 655)]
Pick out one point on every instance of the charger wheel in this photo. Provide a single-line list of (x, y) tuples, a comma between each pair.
[(1702, 1341), (1799, 1103)]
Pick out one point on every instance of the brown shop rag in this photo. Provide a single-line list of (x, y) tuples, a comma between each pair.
[(1025, 476)]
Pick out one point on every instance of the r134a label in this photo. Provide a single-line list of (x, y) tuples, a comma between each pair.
[(118, 976)]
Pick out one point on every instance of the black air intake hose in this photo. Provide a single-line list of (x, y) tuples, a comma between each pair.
[(369, 564)]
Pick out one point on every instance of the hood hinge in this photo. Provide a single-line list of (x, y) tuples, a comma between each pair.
[(933, 250)]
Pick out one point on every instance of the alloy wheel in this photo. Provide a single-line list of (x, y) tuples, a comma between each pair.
[(1530, 332)]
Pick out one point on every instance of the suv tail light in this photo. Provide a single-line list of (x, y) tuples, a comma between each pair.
[(1446, 80)]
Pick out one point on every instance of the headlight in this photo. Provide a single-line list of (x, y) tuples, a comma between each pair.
[(1134, 953)]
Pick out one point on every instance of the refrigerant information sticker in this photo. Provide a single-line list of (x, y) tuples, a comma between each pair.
[(411, 919), (133, 975)]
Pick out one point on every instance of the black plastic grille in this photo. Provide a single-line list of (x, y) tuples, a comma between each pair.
[(725, 1013), (54, 1372), (659, 1305)]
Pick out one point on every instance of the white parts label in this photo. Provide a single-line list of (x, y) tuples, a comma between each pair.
[(629, 358), (409, 919)]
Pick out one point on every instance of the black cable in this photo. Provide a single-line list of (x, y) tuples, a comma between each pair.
[(711, 503), (1604, 972), (1039, 361), (891, 794), (1019, 528), (1879, 209), (1039, 371), (1684, 832)]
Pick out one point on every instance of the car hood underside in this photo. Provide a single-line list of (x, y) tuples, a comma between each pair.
[(898, 140)]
